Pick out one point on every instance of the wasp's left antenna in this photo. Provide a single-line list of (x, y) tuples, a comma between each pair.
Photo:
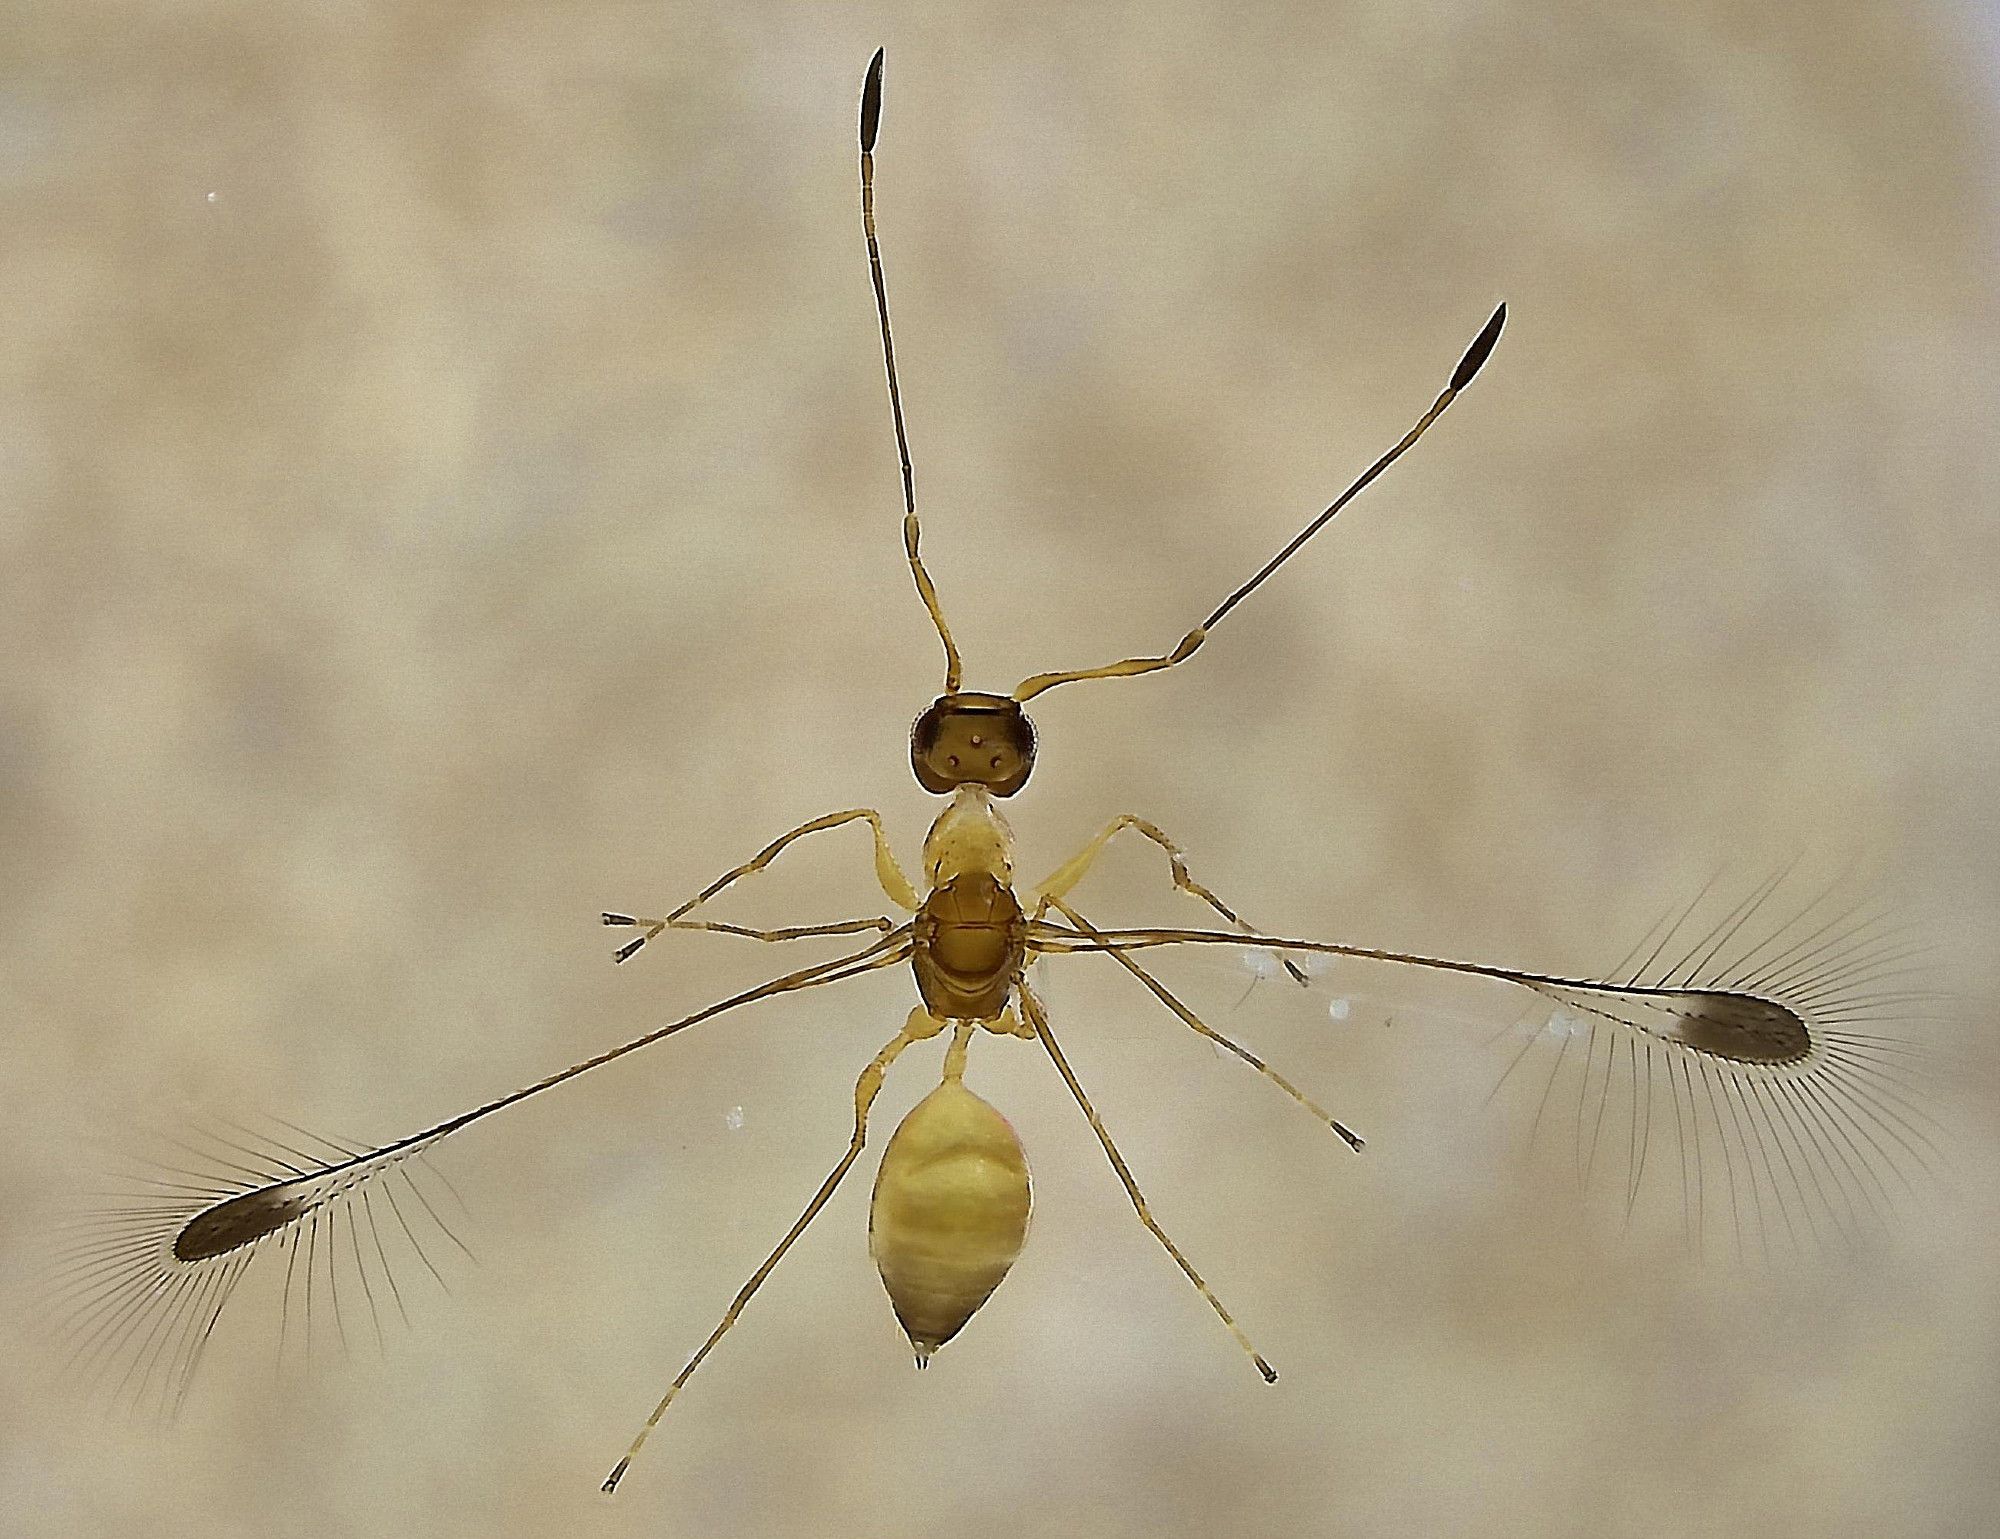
[(871, 124)]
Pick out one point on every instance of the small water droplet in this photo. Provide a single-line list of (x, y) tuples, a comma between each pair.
[(211, 197), (1339, 1009), (733, 1119)]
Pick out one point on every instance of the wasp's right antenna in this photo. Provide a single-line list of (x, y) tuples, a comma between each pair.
[(1468, 365), (871, 123)]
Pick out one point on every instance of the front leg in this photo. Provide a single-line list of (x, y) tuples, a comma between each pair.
[(1071, 871), (887, 872)]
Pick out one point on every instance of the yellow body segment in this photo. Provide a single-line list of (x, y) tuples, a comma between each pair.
[(949, 1214), (971, 834)]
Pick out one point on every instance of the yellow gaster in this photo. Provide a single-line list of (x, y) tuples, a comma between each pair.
[(949, 1213)]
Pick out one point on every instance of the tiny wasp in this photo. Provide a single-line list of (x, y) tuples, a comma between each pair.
[(1768, 1045)]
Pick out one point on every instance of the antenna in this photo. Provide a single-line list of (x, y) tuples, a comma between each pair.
[(871, 124), (1468, 366)]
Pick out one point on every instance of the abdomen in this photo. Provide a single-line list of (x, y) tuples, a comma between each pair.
[(949, 1214)]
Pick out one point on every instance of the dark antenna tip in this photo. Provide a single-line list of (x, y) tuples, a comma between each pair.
[(871, 103), (1482, 348)]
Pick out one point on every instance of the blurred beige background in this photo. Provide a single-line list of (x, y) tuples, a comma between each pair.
[(448, 490)]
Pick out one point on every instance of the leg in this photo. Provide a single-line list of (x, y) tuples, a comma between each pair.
[(1067, 875), (1161, 993), (879, 922), (1040, 1022), (919, 1026), (887, 872)]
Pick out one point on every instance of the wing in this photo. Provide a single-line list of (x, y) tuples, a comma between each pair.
[(138, 1287), (1771, 1071)]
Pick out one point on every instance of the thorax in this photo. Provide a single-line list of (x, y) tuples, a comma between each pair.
[(969, 933)]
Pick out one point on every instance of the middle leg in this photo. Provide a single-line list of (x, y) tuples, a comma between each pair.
[(888, 873), (1166, 997)]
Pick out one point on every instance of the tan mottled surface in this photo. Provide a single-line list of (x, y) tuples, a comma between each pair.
[(445, 489)]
